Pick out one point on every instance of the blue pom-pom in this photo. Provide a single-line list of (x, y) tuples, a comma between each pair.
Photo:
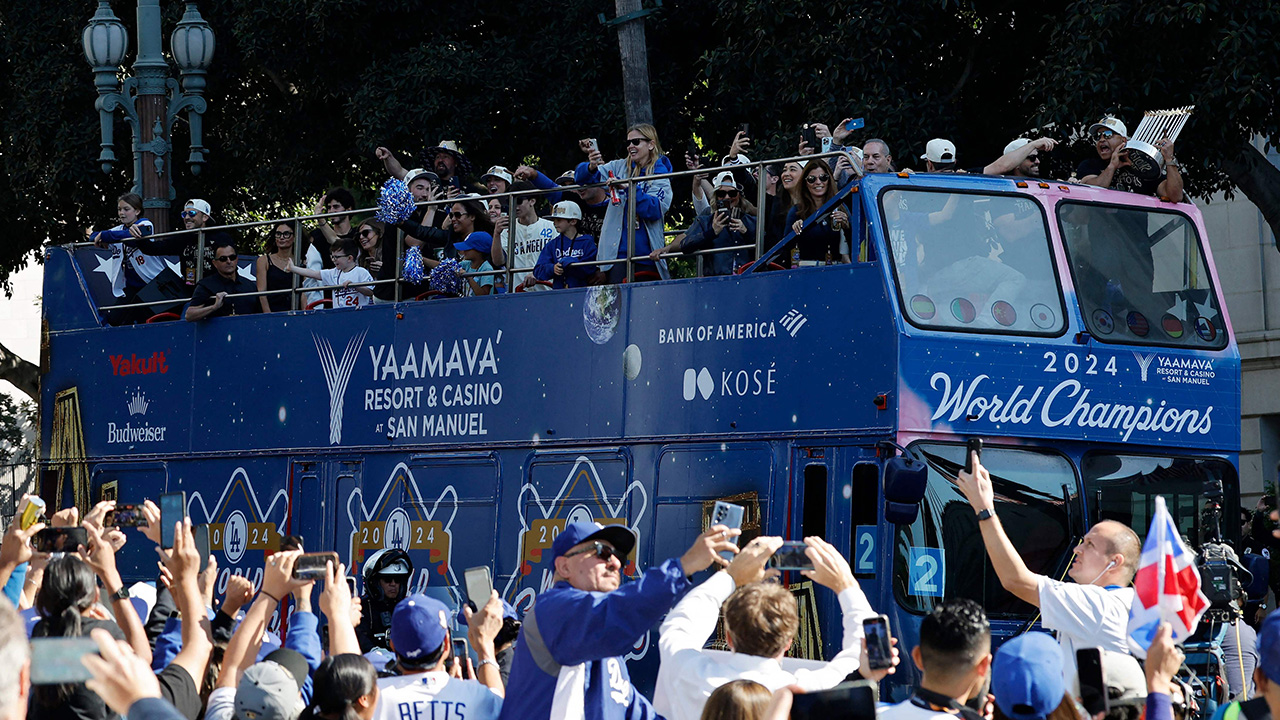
[(395, 202), (445, 278), (414, 271)]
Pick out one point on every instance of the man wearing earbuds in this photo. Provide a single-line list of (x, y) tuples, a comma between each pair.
[(1092, 611)]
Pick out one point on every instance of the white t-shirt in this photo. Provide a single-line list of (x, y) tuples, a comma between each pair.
[(347, 297), (530, 239), (1085, 616), (435, 695), (907, 710)]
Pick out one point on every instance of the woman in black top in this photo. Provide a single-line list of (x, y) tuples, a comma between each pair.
[(823, 239), (272, 274), (378, 258)]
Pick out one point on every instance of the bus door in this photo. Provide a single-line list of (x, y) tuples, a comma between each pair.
[(132, 483), (315, 486), (834, 494)]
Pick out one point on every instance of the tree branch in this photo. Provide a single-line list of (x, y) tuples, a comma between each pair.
[(24, 375), (1259, 180)]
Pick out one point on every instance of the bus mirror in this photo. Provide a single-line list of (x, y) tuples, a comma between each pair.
[(904, 483)]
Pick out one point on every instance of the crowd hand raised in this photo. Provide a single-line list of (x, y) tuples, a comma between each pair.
[(706, 550), (484, 624), (748, 566), (693, 162), (382, 153), (524, 172), (877, 675), (1045, 144), (239, 593), (740, 144), (1166, 149), (183, 560), (120, 677), (66, 517), (840, 132), (820, 130), (99, 554), (277, 578), (977, 487), (1163, 660), (829, 566), (335, 598), (98, 514), (151, 529), (15, 549), (804, 149)]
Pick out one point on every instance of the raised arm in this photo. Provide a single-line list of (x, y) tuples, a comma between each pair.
[(303, 271), (1006, 163), (1014, 574), (277, 582), (184, 563), (102, 558), (336, 603), (482, 627)]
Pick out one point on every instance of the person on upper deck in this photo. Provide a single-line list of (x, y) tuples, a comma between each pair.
[(329, 231), (345, 273), (531, 236), (497, 179), (939, 156), (215, 294), (822, 240), (652, 200), (559, 258), (727, 225), (1021, 158), (273, 268), (876, 157), (1112, 169)]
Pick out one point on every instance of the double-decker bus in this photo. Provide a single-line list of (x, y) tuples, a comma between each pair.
[(1079, 331)]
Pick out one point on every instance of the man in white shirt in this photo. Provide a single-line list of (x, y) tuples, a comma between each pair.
[(532, 234), (761, 620), (420, 638), (1091, 612), (954, 657), (345, 273)]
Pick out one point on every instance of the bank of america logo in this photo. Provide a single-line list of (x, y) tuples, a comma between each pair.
[(793, 321), (337, 372), (1144, 362), (138, 404)]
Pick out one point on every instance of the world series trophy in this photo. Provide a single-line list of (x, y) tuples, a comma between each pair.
[(1156, 125)]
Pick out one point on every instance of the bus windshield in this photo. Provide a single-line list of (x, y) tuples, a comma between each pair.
[(1124, 488), (1141, 276), (973, 262), (941, 553)]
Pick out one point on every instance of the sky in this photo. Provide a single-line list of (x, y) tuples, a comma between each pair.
[(20, 319)]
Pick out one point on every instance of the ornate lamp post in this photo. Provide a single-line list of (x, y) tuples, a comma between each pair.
[(151, 100)]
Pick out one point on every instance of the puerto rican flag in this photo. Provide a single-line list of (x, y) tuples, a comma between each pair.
[(1167, 586)]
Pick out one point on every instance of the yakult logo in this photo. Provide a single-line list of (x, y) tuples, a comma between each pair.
[(134, 365)]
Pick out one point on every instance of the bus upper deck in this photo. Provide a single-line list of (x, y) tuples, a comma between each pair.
[(1081, 330)]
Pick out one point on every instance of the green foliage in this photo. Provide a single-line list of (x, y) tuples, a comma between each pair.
[(17, 431), (302, 91)]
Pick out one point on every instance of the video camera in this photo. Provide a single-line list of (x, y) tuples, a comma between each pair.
[(1221, 574)]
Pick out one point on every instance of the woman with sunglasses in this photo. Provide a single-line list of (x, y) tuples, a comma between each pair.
[(729, 222), (273, 268), (819, 240), (653, 199), (474, 230), (377, 258)]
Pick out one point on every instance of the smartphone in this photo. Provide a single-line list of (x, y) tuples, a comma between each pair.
[(846, 701), (351, 585), (56, 660), (173, 509), (729, 515), (126, 515), (745, 129), (32, 510), (594, 145), (810, 136), (479, 585), (311, 566), (693, 149), (879, 646), (826, 144), (1093, 689), (60, 539), (791, 557), (460, 652), (971, 446), (854, 124), (201, 534)]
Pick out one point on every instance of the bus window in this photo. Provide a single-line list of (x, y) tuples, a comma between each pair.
[(1197, 492), (941, 554), (972, 262), (1141, 276)]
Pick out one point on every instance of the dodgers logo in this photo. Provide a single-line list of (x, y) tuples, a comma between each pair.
[(241, 528)]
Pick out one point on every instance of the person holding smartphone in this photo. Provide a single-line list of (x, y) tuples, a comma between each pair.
[(761, 620), (730, 222), (954, 657), (1090, 611)]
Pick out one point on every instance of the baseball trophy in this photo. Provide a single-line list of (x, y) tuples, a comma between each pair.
[(1156, 125)]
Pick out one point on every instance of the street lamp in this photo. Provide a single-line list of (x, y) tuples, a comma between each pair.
[(151, 99)]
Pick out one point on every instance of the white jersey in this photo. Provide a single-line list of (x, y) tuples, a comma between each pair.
[(1085, 616), (435, 696), (907, 710), (530, 239), (347, 297)]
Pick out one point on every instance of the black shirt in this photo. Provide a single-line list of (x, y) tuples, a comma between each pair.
[(81, 703), (1124, 177), (213, 284)]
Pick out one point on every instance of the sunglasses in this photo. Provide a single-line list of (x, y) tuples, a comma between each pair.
[(284, 233), (815, 179), (190, 213), (726, 193), (458, 215), (636, 141), (367, 232), (1104, 135), (1034, 158), (599, 549), (225, 258)]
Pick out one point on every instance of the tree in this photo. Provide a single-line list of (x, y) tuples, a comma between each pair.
[(17, 431), (23, 374)]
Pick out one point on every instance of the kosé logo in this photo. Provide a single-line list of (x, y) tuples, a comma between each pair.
[(732, 383), (696, 382)]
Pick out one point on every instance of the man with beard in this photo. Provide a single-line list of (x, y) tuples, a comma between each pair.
[(386, 579)]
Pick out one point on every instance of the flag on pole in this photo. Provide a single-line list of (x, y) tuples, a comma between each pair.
[(1167, 586)]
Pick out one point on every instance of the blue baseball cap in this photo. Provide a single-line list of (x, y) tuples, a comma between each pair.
[(419, 625), (1269, 647), (1026, 677), (619, 536), (479, 241)]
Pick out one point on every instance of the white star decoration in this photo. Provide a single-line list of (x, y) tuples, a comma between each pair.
[(1206, 310), (109, 265), (1179, 309), (246, 271)]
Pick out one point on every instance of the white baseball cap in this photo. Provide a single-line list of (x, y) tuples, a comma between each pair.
[(1110, 123), (1020, 142), (416, 173), (725, 179), (566, 210), (939, 151), (201, 205), (741, 159), (499, 172)]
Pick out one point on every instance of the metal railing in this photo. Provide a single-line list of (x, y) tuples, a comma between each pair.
[(510, 199)]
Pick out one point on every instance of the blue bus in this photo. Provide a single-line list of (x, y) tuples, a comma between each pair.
[(1080, 331)]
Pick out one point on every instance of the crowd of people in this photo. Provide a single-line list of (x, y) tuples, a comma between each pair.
[(396, 654), (469, 231)]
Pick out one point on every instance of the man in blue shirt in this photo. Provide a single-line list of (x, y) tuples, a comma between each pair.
[(569, 662)]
